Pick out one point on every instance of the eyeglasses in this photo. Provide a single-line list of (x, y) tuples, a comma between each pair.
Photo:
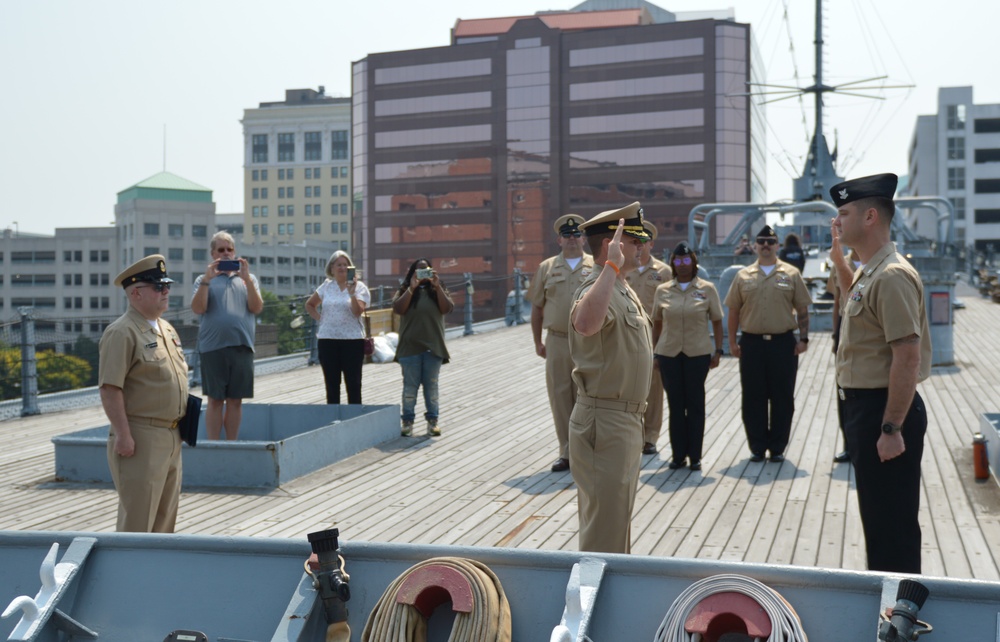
[(157, 287), (682, 261), (573, 235), (767, 241)]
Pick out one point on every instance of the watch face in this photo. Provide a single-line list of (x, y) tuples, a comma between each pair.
[(888, 429)]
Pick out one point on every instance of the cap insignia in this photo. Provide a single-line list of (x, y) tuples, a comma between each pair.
[(843, 194)]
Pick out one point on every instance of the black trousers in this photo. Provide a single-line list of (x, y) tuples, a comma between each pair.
[(767, 373), (342, 357), (888, 492), (684, 382)]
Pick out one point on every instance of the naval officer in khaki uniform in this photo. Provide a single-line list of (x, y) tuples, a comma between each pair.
[(611, 344), (143, 385), (768, 300), (651, 274), (551, 294), (885, 350)]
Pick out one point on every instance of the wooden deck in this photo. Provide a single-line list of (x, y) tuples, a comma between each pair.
[(486, 482)]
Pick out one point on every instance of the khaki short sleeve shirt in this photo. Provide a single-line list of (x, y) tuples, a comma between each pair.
[(685, 315), (656, 274), (148, 366), (553, 288), (617, 361), (885, 303), (767, 302)]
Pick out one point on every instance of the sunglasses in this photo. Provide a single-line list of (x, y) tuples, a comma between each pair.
[(683, 261), (573, 235), (767, 241), (157, 287)]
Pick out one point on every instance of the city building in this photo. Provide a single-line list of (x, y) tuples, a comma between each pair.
[(66, 279), (466, 153), (955, 153), (297, 169)]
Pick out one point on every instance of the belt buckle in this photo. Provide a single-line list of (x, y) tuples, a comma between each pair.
[(175, 423), (841, 394), (767, 337)]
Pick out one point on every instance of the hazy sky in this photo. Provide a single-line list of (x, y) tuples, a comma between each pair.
[(88, 85)]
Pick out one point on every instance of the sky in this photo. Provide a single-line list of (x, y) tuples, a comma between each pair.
[(98, 95)]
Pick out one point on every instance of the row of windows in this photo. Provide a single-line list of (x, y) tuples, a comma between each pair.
[(637, 122), (175, 230), (289, 210), (312, 191), (76, 256), (431, 168), (628, 87), (288, 229), (433, 104), (641, 51), (48, 256), (289, 174), (313, 150), (96, 303)]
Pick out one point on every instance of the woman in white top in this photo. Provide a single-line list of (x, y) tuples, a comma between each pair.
[(338, 305)]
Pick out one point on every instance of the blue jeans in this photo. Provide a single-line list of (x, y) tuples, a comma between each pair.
[(420, 370)]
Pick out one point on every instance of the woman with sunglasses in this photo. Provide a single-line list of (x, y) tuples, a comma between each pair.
[(683, 349)]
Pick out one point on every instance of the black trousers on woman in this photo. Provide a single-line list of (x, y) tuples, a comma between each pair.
[(342, 356), (684, 382)]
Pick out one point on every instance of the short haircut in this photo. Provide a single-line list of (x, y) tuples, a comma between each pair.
[(885, 207), (333, 257), (222, 236), (595, 241)]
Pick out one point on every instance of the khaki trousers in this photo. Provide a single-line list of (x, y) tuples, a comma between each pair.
[(652, 419), (605, 449), (148, 482), (562, 390)]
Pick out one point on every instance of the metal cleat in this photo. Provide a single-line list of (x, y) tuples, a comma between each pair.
[(581, 595)]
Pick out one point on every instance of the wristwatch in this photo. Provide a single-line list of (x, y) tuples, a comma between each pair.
[(804, 339), (890, 429), (719, 352)]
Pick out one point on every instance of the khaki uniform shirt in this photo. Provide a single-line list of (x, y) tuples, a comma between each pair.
[(767, 303), (553, 288), (656, 274), (885, 303), (685, 315), (617, 361), (147, 365)]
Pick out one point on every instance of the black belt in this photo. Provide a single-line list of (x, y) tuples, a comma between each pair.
[(766, 337), (858, 393)]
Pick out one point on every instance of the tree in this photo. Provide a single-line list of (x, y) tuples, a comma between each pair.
[(87, 349), (55, 372), (280, 312)]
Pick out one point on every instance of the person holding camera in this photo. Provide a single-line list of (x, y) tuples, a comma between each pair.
[(338, 304), (228, 299), (422, 302)]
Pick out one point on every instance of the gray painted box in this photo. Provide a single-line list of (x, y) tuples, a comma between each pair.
[(989, 425), (278, 442)]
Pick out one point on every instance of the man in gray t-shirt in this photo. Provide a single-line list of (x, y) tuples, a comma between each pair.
[(227, 300)]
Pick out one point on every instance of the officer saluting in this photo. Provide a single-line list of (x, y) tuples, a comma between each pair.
[(611, 344), (143, 385), (885, 350)]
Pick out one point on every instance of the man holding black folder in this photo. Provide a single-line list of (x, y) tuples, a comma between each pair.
[(144, 390)]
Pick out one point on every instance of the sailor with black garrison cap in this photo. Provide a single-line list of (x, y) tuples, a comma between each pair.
[(551, 295), (884, 351), (611, 345), (143, 383)]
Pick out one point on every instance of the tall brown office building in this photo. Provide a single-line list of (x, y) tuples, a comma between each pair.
[(466, 154)]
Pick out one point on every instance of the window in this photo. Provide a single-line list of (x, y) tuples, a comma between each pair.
[(99, 279), (309, 212), (291, 229), (988, 186), (290, 192), (263, 229), (72, 279), (256, 175), (289, 173), (343, 209), (263, 212), (175, 254), (314, 147), (343, 245), (343, 227), (175, 231), (281, 229), (333, 209), (339, 144), (255, 228), (343, 190), (281, 192), (281, 211), (956, 148), (987, 125), (69, 256), (199, 231), (267, 280), (263, 174), (199, 254), (259, 151), (987, 155), (291, 210), (256, 211), (286, 148), (263, 192), (309, 191), (956, 178), (285, 281), (151, 229), (343, 172), (267, 260), (284, 260), (987, 216), (281, 174), (308, 228), (255, 193), (958, 203), (316, 230), (146, 251), (956, 117), (177, 277)]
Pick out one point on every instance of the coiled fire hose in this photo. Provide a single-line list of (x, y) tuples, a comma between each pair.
[(785, 623), (487, 620)]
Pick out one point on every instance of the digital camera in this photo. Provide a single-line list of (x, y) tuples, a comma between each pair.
[(229, 266)]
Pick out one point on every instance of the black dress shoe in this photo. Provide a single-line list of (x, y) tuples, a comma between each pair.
[(696, 465), (675, 464), (560, 465), (756, 457), (842, 457), (777, 459), (649, 449)]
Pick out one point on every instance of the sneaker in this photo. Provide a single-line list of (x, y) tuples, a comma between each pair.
[(433, 429), (407, 429)]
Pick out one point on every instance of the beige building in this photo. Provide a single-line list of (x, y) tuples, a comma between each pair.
[(297, 177)]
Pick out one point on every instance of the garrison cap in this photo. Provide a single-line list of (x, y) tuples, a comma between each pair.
[(650, 228), (766, 231), (151, 269), (607, 222), (682, 249), (567, 223), (878, 185)]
